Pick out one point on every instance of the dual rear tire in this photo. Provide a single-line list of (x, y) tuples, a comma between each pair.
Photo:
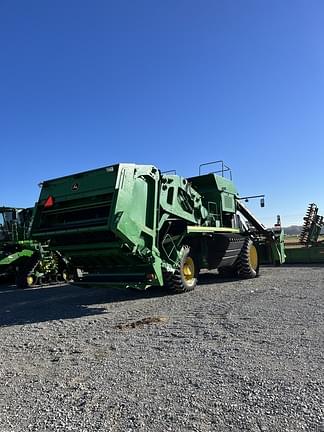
[(247, 263)]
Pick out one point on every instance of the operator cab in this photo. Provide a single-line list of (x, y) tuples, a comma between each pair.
[(2, 231), (14, 223), (7, 216)]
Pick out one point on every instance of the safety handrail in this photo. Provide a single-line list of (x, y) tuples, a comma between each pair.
[(224, 168), (170, 172)]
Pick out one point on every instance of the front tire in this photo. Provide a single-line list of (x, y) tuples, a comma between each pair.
[(184, 278), (25, 277)]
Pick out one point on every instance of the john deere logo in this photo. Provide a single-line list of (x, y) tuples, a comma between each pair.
[(75, 186)]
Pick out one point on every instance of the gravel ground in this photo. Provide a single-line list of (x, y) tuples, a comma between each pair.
[(230, 356)]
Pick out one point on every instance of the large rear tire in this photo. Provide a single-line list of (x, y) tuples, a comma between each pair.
[(184, 278), (248, 260)]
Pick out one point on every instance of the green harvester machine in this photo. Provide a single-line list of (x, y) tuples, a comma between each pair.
[(309, 249), (134, 226), (26, 261)]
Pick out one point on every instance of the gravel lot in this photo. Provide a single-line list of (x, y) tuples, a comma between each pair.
[(230, 356)]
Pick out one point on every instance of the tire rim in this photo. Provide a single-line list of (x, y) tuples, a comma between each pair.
[(29, 280), (188, 271), (253, 257)]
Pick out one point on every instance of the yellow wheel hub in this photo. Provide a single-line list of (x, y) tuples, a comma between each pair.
[(253, 257), (188, 270), (30, 280)]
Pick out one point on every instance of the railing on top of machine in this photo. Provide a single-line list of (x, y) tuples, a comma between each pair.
[(173, 172), (223, 170)]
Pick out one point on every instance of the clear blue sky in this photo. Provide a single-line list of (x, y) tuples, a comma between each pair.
[(175, 83)]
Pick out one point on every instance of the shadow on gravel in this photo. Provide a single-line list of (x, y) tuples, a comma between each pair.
[(214, 278), (57, 302), (302, 265)]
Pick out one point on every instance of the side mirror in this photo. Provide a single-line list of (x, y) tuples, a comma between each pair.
[(262, 202)]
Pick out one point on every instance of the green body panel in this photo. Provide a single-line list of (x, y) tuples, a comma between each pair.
[(272, 251), (89, 212), (278, 248), (305, 255), (127, 223), (13, 258), (218, 197)]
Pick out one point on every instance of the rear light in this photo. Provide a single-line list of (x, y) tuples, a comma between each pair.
[(49, 202)]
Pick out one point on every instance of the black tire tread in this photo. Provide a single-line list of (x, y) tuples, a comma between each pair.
[(244, 270), (174, 281)]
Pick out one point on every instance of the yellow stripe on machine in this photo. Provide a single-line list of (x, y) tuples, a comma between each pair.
[(201, 229)]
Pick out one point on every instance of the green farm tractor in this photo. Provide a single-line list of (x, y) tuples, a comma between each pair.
[(22, 259), (134, 226)]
